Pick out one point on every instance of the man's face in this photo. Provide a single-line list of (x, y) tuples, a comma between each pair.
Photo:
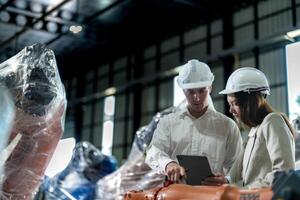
[(197, 98)]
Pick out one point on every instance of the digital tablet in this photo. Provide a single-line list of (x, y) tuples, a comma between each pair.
[(197, 168)]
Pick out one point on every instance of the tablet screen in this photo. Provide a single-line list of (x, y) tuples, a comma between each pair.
[(197, 168)]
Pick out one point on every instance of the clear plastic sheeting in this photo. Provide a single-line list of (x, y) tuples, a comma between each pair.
[(78, 180), (127, 177), (145, 133), (297, 145), (7, 113), (134, 174), (296, 125), (32, 78)]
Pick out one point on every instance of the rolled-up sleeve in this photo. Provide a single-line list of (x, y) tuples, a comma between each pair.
[(157, 154)]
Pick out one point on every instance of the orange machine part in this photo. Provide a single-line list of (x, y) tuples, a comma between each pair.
[(187, 192), (25, 167)]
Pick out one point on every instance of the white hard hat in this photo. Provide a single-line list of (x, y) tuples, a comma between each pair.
[(195, 74), (247, 79)]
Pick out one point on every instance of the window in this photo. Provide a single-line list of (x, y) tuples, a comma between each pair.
[(108, 125), (293, 71)]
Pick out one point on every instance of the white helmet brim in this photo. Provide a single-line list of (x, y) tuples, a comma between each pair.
[(263, 91), (201, 84)]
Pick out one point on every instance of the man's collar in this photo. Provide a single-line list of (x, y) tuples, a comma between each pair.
[(184, 111)]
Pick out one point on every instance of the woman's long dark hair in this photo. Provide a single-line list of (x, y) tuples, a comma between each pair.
[(254, 108)]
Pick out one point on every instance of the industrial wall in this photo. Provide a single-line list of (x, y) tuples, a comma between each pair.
[(142, 81)]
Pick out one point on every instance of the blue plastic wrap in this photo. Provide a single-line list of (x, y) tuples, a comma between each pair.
[(78, 180)]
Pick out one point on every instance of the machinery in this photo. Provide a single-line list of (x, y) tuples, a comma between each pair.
[(39, 99), (187, 192), (285, 186)]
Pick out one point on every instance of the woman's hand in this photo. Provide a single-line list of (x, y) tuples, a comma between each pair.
[(216, 180), (175, 172)]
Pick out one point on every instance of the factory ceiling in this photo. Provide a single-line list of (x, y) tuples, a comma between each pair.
[(106, 28)]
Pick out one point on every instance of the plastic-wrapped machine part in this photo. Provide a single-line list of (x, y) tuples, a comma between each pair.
[(32, 78), (7, 113), (145, 133), (78, 180), (114, 186), (134, 174)]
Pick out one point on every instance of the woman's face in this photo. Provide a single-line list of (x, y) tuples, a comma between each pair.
[(234, 107)]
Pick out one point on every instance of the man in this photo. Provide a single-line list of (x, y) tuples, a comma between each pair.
[(196, 130)]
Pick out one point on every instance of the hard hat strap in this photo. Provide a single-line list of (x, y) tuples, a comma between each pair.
[(259, 89)]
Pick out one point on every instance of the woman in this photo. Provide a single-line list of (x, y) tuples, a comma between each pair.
[(270, 145)]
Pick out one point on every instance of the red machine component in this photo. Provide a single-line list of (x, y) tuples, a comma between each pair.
[(187, 192), (25, 167)]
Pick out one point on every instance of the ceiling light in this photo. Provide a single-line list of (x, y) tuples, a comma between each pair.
[(21, 4), (38, 25), (4, 16), (293, 33), (21, 20), (52, 27), (110, 91), (54, 13), (66, 15), (75, 29), (36, 7)]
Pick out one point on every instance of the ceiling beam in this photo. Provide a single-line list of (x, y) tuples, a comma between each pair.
[(89, 19), (3, 44), (6, 4), (27, 13)]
